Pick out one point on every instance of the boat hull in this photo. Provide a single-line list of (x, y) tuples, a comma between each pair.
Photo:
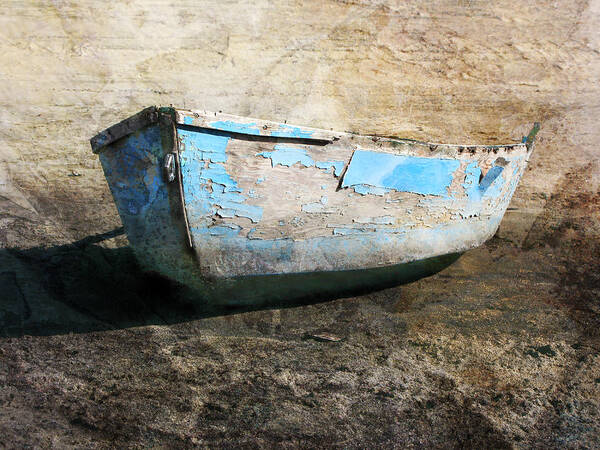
[(247, 211)]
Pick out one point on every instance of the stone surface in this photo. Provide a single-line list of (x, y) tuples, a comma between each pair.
[(502, 349)]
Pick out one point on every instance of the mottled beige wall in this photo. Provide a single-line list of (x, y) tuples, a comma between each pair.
[(457, 71)]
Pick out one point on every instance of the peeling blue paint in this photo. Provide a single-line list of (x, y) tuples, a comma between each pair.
[(236, 127), (489, 178), (254, 213), (316, 207), (490, 185), (427, 176), (209, 190), (337, 166), (217, 174), (380, 220), (187, 120), (290, 131), (288, 156), (471, 183), (226, 213), (494, 184), (211, 144), (283, 131), (364, 189)]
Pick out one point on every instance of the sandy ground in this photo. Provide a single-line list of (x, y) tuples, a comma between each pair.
[(502, 349)]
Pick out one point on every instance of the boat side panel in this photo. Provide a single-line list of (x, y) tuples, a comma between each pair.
[(279, 207)]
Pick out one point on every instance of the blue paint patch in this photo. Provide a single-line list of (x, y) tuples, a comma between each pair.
[(259, 180), (290, 131), (208, 189), (217, 174), (492, 183), (337, 166), (187, 120), (426, 176), (211, 144), (380, 220), (489, 186), (236, 127), (316, 208), (489, 178), (226, 213), (217, 230), (288, 156), (254, 213), (134, 174), (363, 189), (346, 231), (471, 183)]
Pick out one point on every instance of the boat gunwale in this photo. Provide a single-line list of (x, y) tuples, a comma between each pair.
[(268, 129)]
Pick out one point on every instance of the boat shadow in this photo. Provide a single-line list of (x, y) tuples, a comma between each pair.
[(83, 287)]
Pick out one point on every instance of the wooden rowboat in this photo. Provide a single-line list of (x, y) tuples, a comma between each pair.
[(250, 211)]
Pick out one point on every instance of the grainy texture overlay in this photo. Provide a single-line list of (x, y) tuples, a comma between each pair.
[(502, 349)]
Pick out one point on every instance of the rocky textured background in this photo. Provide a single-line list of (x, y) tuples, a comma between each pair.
[(500, 350)]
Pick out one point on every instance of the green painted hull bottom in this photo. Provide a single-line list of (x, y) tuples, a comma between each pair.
[(289, 289)]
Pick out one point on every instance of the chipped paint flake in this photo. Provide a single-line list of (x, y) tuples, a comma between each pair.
[(489, 186), (288, 156), (472, 175), (210, 144), (364, 189), (380, 220), (490, 179), (337, 166), (291, 131), (317, 207)]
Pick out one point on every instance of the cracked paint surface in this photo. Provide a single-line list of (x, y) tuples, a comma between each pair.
[(272, 207), (288, 156), (208, 189)]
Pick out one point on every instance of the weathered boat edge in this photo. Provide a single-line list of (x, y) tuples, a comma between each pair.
[(260, 127), (292, 288)]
